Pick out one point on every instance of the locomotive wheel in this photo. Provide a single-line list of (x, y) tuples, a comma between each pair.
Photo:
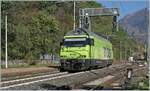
[(61, 69)]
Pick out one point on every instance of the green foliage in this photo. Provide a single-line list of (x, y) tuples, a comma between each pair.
[(44, 28), (31, 62), (89, 4), (136, 85), (32, 34)]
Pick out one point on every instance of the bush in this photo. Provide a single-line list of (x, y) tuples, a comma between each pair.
[(31, 62)]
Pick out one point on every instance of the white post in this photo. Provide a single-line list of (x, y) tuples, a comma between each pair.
[(6, 64), (74, 18)]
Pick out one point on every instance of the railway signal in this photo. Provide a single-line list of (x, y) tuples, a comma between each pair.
[(128, 78), (86, 13)]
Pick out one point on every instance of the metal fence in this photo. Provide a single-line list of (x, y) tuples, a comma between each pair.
[(54, 60)]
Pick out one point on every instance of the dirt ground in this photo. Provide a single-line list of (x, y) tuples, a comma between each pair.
[(24, 71), (119, 62)]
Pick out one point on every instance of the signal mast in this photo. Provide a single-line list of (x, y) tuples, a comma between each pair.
[(86, 13)]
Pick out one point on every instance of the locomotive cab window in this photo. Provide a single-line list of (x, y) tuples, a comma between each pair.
[(76, 42)]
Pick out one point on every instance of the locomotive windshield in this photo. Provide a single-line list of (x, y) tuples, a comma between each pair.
[(76, 42)]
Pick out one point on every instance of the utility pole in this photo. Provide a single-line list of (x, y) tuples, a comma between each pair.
[(74, 18), (6, 64)]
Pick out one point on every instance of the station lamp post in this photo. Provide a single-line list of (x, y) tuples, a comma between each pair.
[(6, 64)]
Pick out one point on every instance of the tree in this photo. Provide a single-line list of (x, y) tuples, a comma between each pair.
[(43, 30)]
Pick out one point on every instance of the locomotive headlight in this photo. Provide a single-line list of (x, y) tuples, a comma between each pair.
[(63, 56), (83, 56)]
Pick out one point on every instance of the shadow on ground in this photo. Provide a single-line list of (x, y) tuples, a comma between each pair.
[(53, 87), (91, 87)]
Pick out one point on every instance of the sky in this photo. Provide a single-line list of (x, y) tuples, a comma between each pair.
[(125, 6)]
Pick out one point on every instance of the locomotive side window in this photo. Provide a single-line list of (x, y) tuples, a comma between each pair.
[(107, 52)]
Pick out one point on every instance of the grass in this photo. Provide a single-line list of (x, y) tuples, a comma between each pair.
[(144, 87), (146, 84)]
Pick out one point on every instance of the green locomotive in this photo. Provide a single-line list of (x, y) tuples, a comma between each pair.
[(82, 50)]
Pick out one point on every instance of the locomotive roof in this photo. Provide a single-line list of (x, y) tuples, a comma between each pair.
[(79, 32)]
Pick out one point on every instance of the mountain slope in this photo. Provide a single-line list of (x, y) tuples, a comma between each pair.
[(136, 25)]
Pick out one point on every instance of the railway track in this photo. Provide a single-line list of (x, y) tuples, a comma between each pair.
[(3, 78), (114, 81), (63, 78), (25, 81)]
